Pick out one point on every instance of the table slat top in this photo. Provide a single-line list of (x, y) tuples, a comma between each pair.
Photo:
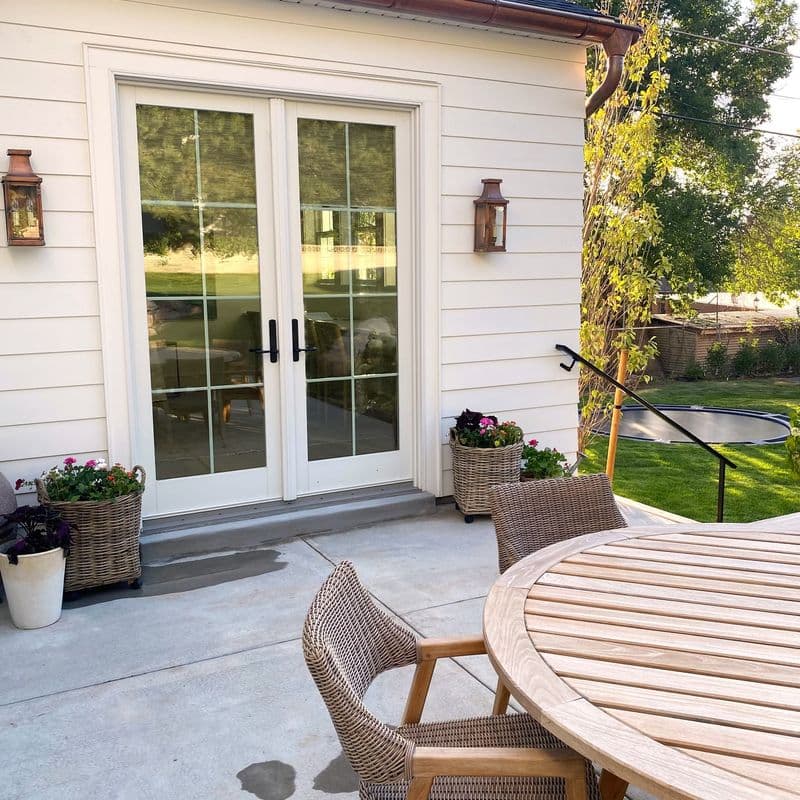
[(671, 657)]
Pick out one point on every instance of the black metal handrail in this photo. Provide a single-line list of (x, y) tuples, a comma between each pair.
[(724, 461)]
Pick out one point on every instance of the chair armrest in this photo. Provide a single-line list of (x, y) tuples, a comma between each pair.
[(431, 649), (430, 762)]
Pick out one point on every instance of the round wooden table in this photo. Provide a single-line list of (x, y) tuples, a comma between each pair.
[(669, 656)]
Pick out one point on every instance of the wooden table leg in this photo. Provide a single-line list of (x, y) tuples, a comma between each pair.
[(612, 787)]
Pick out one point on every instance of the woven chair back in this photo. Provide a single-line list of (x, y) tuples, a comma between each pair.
[(532, 515), (347, 642)]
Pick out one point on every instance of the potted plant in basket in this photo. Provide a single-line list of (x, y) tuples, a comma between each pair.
[(104, 506), (545, 463), (32, 565), (485, 453)]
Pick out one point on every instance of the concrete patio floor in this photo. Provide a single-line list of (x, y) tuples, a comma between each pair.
[(202, 693)]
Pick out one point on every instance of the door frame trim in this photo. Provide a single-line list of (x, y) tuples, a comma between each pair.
[(107, 67)]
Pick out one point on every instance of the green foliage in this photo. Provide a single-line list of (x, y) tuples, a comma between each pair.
[(545, 463), (705, 200), (717, 360), (793, 442), (694, 371), (745, 360), (768, 245), (93, 480), (771, 358), (716, 169), (620, 221), (474, 429), (791, 357)]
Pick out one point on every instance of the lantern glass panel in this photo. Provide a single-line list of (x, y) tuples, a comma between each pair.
[(498, 234), (22, 207)]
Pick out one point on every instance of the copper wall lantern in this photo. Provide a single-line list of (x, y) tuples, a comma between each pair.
[(22, 197), (490, 218)]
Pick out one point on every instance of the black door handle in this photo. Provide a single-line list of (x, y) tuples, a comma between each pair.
[(296, 349), (273, 343)]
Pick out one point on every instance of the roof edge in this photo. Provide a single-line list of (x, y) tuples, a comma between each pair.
[(513, 15)]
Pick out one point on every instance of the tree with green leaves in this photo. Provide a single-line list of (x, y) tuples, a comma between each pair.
[(768, 243), (716, 90), (704, 199), (621, 224)]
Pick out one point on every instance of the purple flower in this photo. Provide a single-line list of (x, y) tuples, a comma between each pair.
[(69, 461), (19, 484), (91, 463), (486, 422)]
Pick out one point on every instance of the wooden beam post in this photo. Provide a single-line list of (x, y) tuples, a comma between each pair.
[(616, 415)]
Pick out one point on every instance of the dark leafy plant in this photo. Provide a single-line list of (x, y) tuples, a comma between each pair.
[(38, 529), (694, 371), (471, 420), (545, 463)]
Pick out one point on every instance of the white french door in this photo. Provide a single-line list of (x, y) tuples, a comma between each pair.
[(269, 285), (351, 242)]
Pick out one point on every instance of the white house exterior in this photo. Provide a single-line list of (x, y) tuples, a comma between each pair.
[(211, 165)]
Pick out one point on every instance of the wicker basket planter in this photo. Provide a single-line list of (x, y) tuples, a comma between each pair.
[(105, 538), (477, 469)]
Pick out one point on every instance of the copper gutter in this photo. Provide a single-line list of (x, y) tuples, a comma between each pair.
[(615, 37)]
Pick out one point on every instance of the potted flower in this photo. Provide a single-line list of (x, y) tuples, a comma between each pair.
[(545, 463), (485, 453), (32, 565), (104, 506)]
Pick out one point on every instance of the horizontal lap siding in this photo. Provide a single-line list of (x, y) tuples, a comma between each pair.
[(512, 107), (51, 393)]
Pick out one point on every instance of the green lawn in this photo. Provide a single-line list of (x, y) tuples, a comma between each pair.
[(682, 478)]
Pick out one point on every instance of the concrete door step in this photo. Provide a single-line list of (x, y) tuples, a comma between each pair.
[(248, 527)]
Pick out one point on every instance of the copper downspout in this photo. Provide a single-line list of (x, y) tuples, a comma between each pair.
[(615, 37), (616, 48)]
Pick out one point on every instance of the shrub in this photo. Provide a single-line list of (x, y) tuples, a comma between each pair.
[(717, 360), (791, 357), (545, 463), (694, 371), (771, 358), (793, 441), (745, 360)]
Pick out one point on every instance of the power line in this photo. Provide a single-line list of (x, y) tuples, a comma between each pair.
[(724, 124), (743, 45)]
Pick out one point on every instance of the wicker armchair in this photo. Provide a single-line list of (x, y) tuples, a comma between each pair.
[(532, 515), (348, 641)]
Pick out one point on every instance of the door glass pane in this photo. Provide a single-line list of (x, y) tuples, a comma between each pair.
[(197, 182), (349, 256)]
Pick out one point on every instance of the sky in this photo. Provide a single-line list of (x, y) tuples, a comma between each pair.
[(785, 112)]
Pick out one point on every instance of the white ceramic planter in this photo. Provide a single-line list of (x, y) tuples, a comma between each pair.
[(34, 587)]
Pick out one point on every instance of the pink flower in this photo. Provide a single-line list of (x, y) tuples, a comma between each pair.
[(485, 422), (70, 461), (91, 463), (533, 442)]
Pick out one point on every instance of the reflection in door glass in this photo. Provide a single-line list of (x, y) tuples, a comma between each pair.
[(197, 182), (349, 260)]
